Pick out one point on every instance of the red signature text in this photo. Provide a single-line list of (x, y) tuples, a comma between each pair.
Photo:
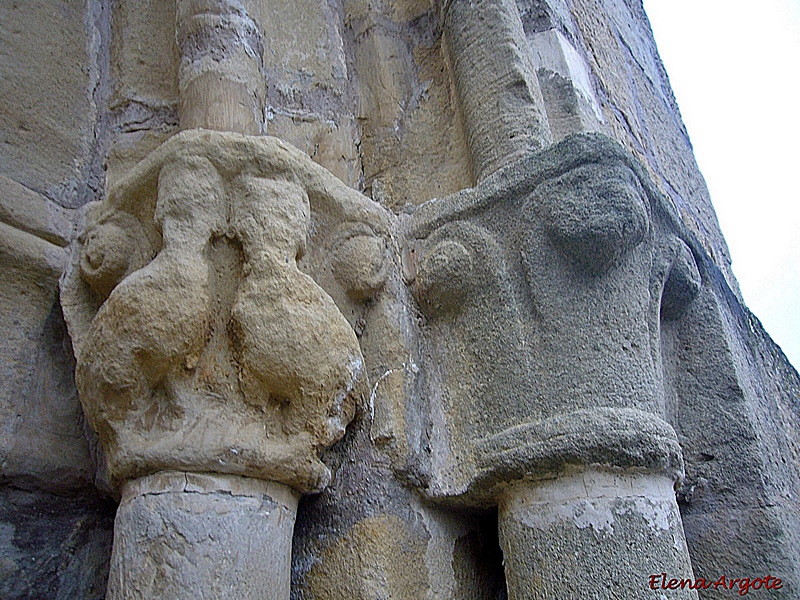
[(741, 585)]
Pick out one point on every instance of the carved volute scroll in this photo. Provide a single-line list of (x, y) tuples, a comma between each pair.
[(542, 291), (201, 344)]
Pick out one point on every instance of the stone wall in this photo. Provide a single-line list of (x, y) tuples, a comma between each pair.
[(57, 527), (380, 95)]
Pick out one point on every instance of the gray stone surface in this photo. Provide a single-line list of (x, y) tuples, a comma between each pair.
[(594, 534), (52, 546), (738, 429), (47, 125), (542, 291), (370, 536), (44, 441), (567, 90), (498, 92), (55, 532)]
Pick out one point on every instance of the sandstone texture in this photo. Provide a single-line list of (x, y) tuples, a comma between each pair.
[(189, 313), (44, 439), (49, 116), (408, 299)]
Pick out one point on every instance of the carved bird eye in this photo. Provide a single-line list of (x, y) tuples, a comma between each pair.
[(113, 247)]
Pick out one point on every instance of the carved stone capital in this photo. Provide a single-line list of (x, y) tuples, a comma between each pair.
[(202, 345), (542, 291)]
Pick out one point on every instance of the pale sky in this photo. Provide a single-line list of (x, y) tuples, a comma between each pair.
[(735, 70)]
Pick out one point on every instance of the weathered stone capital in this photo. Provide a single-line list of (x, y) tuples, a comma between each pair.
[(201, 344), (543, 289)]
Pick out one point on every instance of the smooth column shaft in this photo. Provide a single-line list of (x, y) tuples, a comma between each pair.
[(220, 79)]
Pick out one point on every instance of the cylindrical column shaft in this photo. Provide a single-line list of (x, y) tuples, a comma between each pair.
[(594, 534), (181, 535), (220, 80), (499, 95)]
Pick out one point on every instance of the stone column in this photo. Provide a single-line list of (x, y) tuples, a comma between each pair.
[(220, 79), (180, 532), (180, 535), (592, 534), (213, 369), (543, 291), (498, 92)]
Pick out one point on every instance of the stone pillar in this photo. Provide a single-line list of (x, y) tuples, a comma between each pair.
[(178, 533), (212, 367), (592, 534), (498, 92), (543, 291), (202, 348), (220, 78), (563, 74)]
